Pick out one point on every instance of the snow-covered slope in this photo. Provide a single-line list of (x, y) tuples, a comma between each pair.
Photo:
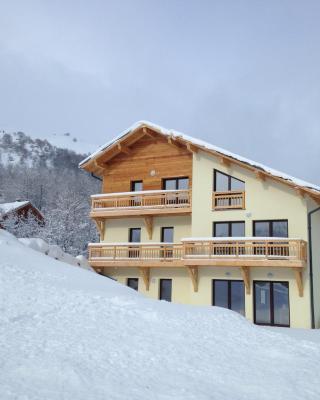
[(71, 142), (66, 333)]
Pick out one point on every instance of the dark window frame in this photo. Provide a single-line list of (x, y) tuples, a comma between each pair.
[(162, 233), (230, 177), (176, 178), (130, 234), (133, 182), (229, 226), (133, 279), (229, 292), (271, 304), (160, 289), (270, 221)]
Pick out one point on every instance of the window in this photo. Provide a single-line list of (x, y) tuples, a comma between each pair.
[(134, 237), (226, 183), (136, 186), (271, 303), (175, 183), (271, 228), (165, 289), (167, 234), (133, 283), (229, 229), (228, 294), (167, 237)]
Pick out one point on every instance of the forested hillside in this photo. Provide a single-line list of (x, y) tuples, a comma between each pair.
[(48, 176)]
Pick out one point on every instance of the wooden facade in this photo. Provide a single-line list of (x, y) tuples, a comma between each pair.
[(150, 160)]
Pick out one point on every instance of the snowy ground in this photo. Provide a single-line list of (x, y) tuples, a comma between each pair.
[(67, 333)]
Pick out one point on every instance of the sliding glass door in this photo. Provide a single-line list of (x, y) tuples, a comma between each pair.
[(271, 303)]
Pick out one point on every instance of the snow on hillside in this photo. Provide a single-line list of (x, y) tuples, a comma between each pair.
[(66, 333), (71, 142)]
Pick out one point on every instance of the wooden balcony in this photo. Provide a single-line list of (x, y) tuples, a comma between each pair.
[(155, 202), (243, 253), (277, 252), (232, 200)]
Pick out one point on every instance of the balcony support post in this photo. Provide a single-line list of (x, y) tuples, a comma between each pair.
[(145, 273), (299, 281), (148, 222), (245, 272), (100, 223), (194, 275)]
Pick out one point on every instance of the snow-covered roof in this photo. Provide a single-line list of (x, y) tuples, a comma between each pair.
[(202, 145), (6, 208)]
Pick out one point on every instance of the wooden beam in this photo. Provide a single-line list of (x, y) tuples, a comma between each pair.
[(192, 148), (194, 275), (260, 175), (148, 222), (145, 273), (224, 161), (299, 191), (100, 223), (123, 149), (299, 281), (173, 142), (245, 272), (149, 134)]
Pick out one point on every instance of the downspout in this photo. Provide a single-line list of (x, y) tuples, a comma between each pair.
[(96, 177), (311, 264)]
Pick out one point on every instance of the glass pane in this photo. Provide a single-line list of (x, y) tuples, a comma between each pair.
[(222, 182), (183, 183), (237, 297), (135, 235), (170, 184), (262, 303), (236, 184), (221, 229), (237, 229), (280, 228), (220, 294), (167, 235), (262, 229), (281, 303), (136, 186), (133, 283), (165, 289)]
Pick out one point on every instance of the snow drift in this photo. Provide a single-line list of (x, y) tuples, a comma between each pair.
[(66, 333)]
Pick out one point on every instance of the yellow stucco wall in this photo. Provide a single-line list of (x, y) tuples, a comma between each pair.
[(264, 200)]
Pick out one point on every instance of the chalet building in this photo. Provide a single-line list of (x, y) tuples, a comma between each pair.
[(184, 221), (20, 209)]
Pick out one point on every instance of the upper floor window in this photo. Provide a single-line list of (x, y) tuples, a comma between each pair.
[(229, 229), (270, 228), (226, 183), (175, 183), (136, 186)]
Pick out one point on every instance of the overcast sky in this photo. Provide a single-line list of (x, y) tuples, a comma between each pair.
[(243, 75)]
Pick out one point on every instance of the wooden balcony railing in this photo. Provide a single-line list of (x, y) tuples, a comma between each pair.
[(203, 251), (134, 252), (254, 248), (144, 200), (232, 200)]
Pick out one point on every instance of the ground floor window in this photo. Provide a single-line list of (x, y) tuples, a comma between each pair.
[(228, 294), (271, 303), (165, 289), (133, 283)]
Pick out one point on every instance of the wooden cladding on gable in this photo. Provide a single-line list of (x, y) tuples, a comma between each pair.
[(149, 160)]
